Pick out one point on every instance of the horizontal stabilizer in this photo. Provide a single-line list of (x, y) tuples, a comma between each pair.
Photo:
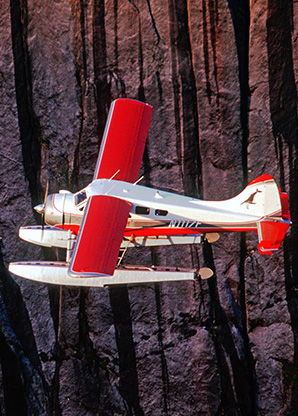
[(271, 234)]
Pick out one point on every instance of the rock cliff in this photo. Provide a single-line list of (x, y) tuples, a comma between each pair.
[(222, 78)]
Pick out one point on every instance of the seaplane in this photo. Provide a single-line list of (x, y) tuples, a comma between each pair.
[(114, 212)]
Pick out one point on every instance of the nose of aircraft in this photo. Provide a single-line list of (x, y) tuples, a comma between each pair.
[(40, 208)]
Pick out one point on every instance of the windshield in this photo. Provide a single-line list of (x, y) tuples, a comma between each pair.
[(80, 197)]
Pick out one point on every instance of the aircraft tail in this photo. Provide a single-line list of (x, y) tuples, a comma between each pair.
[(263, 199)]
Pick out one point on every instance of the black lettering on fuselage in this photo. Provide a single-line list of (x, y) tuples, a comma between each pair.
[(184, 224)]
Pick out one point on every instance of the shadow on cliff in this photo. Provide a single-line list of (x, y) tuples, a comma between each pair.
[(23, 384)]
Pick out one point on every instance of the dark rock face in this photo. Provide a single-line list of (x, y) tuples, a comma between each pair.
[(222, 77)]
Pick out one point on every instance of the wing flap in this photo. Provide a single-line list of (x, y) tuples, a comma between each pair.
[(101, 233), (124, 140)]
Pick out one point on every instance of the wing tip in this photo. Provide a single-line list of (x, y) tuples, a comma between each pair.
[(130, 100)]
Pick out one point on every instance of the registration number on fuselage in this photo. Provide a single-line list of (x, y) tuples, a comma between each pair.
[(184, 224)]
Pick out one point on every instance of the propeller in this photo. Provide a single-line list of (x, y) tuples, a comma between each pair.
[(40, 208), (63, 213)]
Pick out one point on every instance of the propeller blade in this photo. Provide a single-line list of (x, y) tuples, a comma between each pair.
[(63, 213), (41, 208), (46, 193)]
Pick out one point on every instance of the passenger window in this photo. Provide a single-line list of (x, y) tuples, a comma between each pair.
[(142, 210), (161, 212)]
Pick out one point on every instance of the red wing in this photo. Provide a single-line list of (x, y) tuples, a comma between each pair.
[(97, 249), (124, 140)]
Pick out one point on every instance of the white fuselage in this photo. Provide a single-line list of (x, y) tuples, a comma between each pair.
[(152, 209), (181, 211)]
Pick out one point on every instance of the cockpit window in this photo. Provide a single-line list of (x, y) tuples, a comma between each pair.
[(80, 197)]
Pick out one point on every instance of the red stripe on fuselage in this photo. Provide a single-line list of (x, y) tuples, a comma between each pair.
[(75, 228), (164, 231), (155, 232)]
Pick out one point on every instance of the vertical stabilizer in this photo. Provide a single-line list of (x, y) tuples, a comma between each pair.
[(262, 199), (273, 207)]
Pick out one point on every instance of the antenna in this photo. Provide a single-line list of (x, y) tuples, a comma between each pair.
[(139, 180)]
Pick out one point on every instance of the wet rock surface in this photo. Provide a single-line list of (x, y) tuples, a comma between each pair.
[(222, 78)]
